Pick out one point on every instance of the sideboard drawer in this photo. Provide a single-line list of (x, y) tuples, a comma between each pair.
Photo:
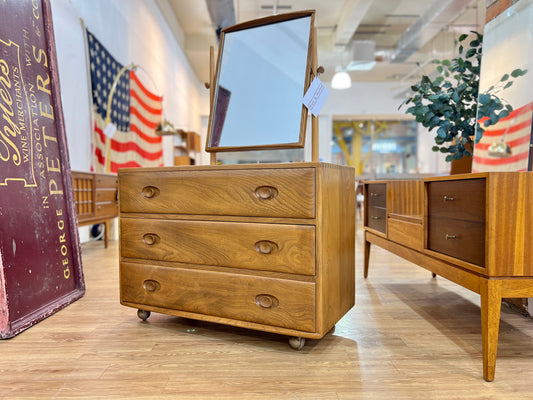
[(461, 239), (284, 193), (377, 219), (377, 195), (268, 247), (106, 195), (277, 302), (462, 199)]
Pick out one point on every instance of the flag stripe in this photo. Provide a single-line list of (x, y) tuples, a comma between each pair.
[(149, 124), (146, 138), (146, 92), (151, 110)]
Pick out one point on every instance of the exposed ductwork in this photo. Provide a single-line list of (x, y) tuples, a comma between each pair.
[(222, 14), (434, 19)]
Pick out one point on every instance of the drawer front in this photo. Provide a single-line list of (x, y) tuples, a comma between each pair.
[(105, 181), (285, 193), (106, 210), (464, 240), (377, 219), (275, 302), (269, 247), (106, 195), (464, 199), (377, 195), (410, 234)]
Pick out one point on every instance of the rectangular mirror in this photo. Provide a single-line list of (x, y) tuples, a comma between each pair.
[(263, 70)]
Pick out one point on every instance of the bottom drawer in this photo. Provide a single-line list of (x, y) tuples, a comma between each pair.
[(269, 301), (464, 240)]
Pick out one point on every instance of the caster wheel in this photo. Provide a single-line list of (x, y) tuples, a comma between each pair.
[(297, 343), (143, 314)]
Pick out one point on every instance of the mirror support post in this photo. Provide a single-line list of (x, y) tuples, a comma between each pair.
[(213, 155), (314, 120)]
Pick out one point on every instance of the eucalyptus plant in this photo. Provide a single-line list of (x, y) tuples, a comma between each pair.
[(450, 102)]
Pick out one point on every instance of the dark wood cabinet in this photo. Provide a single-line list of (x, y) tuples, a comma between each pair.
[(473, 229), (96, 200)]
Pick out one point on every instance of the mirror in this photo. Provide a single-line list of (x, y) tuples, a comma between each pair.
[(263, 70)]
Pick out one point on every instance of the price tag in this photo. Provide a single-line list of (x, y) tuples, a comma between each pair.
[(316, 96), (110, 129)]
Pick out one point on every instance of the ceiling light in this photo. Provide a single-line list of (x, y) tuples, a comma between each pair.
[(341, 80)]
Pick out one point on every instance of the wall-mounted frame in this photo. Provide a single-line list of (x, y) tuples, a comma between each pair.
[(271, 58), (40, 260)]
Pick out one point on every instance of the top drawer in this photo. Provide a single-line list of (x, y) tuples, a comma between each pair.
[(284, 193), (461, 199), (377, 195)]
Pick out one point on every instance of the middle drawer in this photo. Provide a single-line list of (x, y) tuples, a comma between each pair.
[(267, 247)]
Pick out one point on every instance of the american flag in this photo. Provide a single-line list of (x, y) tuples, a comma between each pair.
[(515, 131), (135, 112)]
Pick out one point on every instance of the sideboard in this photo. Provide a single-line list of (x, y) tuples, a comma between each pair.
[(473, 229), (269, 247), (96, 199)]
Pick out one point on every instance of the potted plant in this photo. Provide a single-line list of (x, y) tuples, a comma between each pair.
[(451, 103)]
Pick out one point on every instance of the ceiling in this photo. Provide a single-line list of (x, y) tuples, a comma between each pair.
[(406, 34)]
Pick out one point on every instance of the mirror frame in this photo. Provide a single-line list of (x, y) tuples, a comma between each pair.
[(308, 75)]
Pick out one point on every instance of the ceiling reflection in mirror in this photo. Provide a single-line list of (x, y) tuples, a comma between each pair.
[(261, 78)]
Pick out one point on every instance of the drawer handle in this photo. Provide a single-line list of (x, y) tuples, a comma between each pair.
[(265, 247), (150, 238), (266, 301), (150, 192), (450, 237), (446, 198), (374, 217), (266, 192), (151, 286), (374, 194)]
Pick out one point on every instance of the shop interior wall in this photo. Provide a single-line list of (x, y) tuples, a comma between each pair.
[(134, 31)]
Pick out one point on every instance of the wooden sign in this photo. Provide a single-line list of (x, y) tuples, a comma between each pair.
[(40, 262)]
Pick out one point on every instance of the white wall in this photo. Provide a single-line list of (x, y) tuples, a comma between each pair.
[(133, 31), (374, 99)]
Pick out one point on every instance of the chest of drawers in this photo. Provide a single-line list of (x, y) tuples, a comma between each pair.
[(474, 229), (267, 247)]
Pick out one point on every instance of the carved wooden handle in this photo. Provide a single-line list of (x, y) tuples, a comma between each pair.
[(151, 286), (150, 191), (266, 301), (374, 194), (266, 192), (446, 198), (450, 237), (150, 238), (265, 246)]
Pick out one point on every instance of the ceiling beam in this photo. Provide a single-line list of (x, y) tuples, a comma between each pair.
[(352, 13)]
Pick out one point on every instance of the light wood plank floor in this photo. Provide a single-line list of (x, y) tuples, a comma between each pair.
[(408, 337)]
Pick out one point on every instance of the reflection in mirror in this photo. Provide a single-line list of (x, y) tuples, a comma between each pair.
[(262, 75)]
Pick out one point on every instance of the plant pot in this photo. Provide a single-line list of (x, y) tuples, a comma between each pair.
[(464, 164)]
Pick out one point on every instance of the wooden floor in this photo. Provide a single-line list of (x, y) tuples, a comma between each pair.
[(408, 337)]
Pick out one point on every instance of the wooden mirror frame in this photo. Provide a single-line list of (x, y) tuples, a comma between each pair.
[(214, 78)]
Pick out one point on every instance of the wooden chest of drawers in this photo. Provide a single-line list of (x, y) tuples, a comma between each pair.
[(268, 247), (473, 229)]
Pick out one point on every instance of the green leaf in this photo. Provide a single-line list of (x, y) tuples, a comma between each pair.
[(449, 158), (504, 78), (470, 53), (518, 72), (448, 63), (435, 148), (474, 43), (463, 37), (508, 84)]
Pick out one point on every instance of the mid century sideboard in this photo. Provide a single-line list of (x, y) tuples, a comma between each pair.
[(473, 229)]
